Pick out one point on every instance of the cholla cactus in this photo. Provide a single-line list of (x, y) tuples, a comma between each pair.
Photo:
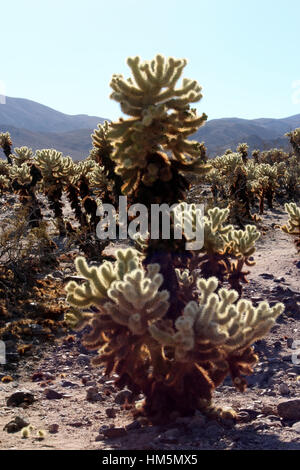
[(225, 250), (268, 179), (102, 153), (294, 137), (4, 168), (256, 156), (6, 145), (22, 155), (4, 183), (210, 339), (161, 119), (293, 225), (273, 156), (54, 167), (147, 320), (20, 173), (56, 171), (243, 150), (216, 322)]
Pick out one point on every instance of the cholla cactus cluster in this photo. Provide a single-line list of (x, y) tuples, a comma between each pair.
[(293, 225), (243, 181), (161, 318)]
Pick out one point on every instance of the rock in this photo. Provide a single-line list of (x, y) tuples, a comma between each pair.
[(266, 276), (289, 409), (296, 427), (90, 383), (51, 394), (111, 412), (134, 425), (112, 433), (93, 395), (16, 425), (66, 383), (284, 389), (243, 417), (267, 410), (123, 396), (53, 428), (83, 359), (20, 397)]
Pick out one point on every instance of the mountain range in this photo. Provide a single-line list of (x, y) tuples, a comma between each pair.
[(37, 126)]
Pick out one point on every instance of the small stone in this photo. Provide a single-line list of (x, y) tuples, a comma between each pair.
[(51, 394), (53, 428), (111, 412), (284, 389), (296, 427), (289, 409), (93, 395), (83, 359), (266, 276), (20, 397), (112, 433), (67, 384), (123, 396), (16, 425)]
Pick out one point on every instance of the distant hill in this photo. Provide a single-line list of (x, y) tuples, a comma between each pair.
[(221, 134), (38, 126)]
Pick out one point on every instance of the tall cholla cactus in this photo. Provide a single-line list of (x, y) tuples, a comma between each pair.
[(293, 225), (177, 366), (158, 323), (161, 121), (101, 153), (55, 170), (6, 145), (243, 150)]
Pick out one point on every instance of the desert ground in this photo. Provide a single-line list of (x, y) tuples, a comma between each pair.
[(53, 387)]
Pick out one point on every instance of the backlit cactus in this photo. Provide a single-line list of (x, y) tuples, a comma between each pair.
[(161, 119), (293, 225)]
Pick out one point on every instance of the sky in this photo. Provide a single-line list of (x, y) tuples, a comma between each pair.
[(62, 53)]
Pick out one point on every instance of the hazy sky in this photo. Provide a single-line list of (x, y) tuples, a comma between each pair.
[(62, 53)]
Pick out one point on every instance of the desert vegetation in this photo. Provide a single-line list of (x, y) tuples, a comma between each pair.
[(169, 323)]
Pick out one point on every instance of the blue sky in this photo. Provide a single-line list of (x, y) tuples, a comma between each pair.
[(62, 53)]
